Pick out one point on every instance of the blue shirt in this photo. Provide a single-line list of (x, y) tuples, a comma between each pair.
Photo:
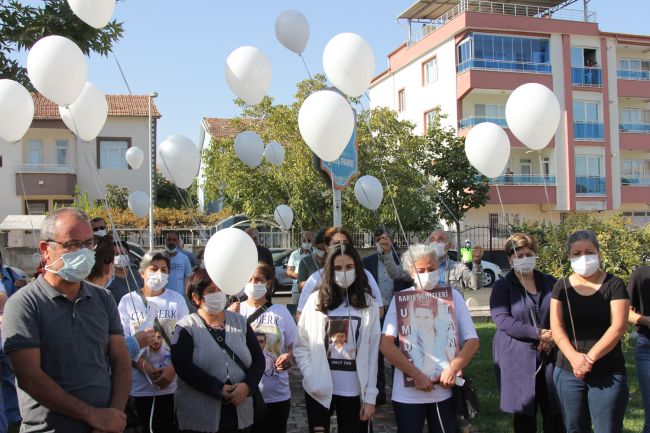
[(442, 272), (8, 281), (180, 270)]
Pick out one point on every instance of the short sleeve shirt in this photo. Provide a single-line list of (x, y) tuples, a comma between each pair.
[(180, 270), (639, 291), (591, 316), (294, 262), (72, 337)]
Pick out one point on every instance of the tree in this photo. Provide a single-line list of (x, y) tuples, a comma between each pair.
[(255, 191), (21, 25), (167, 195), (117, 196), (458, 187)]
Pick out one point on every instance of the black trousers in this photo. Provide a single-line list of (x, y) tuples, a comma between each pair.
[(347, 415), (163, 413), (552, 422), (276, 418), (227, 421)]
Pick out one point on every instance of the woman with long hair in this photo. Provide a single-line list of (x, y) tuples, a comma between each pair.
[(344, 383)]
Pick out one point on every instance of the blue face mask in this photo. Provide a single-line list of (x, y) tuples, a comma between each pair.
[(76, 265)]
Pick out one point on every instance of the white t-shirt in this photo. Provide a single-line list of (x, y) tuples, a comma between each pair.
[(279, 331), (314, 279), (171, 308), (466, 331), (342, 334), (294, 262), (180, 270)]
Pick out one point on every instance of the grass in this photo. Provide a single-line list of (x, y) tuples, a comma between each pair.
[(492, 420)]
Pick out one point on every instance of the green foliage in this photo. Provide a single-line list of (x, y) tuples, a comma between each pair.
[(117, 196), (164, 218), (81, 201), (622, 245), (167, 195), (255, 191), (22, 24)]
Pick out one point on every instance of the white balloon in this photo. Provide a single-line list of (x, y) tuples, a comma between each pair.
[(249, 148), (487, 147), (139, 203), (274, 153), (369, 192), (248, 73), (292, 30), (230, 258), (283, 215), (533, 115), (349, 63), (326, 123), (95, 13), (16, 110), (135, 157), (87, 115), (179, 160), (57, 68)]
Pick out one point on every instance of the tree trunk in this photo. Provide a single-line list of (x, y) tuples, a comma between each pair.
[(458, 244)]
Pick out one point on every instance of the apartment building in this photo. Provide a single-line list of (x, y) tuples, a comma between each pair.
[(467, 56), (42, 170)]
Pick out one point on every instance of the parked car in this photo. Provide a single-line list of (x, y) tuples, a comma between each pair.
[(280, 259), (491, 272)]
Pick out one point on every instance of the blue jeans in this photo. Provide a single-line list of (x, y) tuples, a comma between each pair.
[(598, 399), (410, 417), (642, 357), (8, 386)]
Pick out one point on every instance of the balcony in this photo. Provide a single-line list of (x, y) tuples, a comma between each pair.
[(471, 121), (504, 66), (588, 131), (45, 179), (637, 75), (587, 77), (635, 181), (590, 185), (523, 180), (635, 128)]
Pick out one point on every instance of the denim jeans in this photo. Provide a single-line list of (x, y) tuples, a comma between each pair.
[(410, 417), (598, 399), (9, 396), (642, 357)]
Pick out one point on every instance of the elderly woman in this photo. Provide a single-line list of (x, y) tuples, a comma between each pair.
[(153, 385), (214, 388), (523, 349), (425, 396), (589, 312)]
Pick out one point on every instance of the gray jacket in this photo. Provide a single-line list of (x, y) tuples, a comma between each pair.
[(457, 275)]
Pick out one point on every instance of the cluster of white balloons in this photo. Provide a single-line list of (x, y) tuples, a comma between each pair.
[(250, 149), (533, 116)]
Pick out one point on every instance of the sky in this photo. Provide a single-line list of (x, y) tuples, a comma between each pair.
[(178, 48)]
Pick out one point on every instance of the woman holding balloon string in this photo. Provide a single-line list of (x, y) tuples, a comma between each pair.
[(345, 384)]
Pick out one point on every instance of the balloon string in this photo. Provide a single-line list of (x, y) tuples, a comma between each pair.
[(541, 165), (122, 73), (304, 62), (29, 211)]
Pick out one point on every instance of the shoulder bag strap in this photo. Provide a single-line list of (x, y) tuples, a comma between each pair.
[(573, 326), (222, 343), (156, 323), (253, 317)]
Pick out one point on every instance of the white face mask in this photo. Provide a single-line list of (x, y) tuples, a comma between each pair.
[(345, 278), (100, 233), (306, 246), (121, 261), (255, 291), (380, 251), (215, 302), (427, 280), (524, 265), (156, 280), (586, 265), (439, 248), (319, 254)]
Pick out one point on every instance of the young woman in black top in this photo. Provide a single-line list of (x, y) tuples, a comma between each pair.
[(589, 313), (639, 291)]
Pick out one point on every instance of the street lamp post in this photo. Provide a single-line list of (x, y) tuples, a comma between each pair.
[(152, 170)]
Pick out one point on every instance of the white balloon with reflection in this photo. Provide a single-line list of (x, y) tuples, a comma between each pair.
[(249, 148), (86, 116), (139, 203), (16, 110), (179, 160), (134, 157), (369, 192), (349, 63), (274, 153), (292, 30), (487, 147), (533, 115), (230, 258), (95, 13), (248, 74), (283, 215)]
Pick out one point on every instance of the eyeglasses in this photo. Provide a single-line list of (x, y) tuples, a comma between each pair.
[(74, 244), (96, 229)]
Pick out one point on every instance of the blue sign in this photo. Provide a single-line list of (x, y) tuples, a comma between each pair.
[(346, 167)]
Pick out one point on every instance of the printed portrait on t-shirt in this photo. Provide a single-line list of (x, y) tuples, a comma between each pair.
[(427, 330), (270, 338), (158, 354), (341, 333), (167, 317)]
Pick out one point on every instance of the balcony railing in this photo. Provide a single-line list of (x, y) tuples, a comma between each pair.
[(587, 77), (46, 168), (635, 180), (471, 121), (630, 74), (524, 179), (590, 185), (490, 7), (588, 131), (504, 66), (643, 128)]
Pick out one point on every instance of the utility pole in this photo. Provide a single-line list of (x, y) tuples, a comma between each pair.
[(152, 171)]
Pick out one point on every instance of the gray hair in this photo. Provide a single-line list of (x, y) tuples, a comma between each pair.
[(151, 257), (417, 252), (582, 235), (438, 229), (48, 228)]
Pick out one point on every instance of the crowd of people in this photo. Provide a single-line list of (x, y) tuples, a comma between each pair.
[(97, 344)]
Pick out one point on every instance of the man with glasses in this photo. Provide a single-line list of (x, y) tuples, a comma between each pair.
[(65, 340)]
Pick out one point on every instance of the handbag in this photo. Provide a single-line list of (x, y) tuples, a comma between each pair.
[(259, 407), (466, 400)]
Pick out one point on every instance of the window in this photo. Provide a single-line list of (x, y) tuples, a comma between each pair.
[(546, 166), (636, 167), (429, 117), (401, 100), (430, 72), (35, 152), (504, 53), (634, 65), (492, 111), (588, 165), (584, 57), (62, 152), (36, 207), (526, 166), (585, 111), (112, 153)]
